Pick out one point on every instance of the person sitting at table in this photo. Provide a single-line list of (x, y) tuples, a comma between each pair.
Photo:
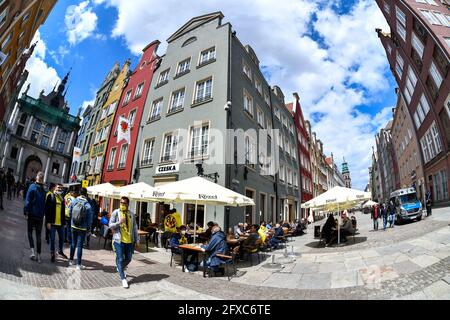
[(208, 233), (269, 226), (239, 230), (327, 229), (217, 245), (253, 241), (246, 227), (286, 225), (179, 238), (346, 227)]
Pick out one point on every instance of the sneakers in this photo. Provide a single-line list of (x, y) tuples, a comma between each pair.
[(186, 269), (62, 255), (39, 258), (53, 258), (125, 284), (33, 255), (70, 263), (80, 267)]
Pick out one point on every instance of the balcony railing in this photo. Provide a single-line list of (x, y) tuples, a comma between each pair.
[(146, 162)]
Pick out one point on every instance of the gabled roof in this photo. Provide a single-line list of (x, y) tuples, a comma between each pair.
[(195, 23)]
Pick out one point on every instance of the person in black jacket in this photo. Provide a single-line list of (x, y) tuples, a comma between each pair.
[(2, 187), (56, 220)]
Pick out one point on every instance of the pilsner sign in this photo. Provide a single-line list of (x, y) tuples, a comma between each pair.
[(171, 168)]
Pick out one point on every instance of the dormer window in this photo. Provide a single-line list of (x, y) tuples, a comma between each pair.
[(189, 41)]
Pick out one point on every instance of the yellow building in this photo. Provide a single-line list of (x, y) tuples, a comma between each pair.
[(19, 21), (98, 149)]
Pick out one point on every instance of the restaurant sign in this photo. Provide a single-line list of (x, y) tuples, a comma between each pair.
[(171, 168)]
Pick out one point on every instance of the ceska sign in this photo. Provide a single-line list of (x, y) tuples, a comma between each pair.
[(171, 168)]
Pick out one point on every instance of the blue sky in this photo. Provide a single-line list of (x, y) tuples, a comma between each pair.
[(327, 50)]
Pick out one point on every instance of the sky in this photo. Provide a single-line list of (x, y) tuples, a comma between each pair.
[(326, 50)]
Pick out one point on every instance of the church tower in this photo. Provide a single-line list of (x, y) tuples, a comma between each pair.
[(346, 174)]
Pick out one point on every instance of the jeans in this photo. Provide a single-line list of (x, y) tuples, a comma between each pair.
[(77, 240), (385, 221), (124, 253), (68, 232), (37, 226), (9, 193), (391, 220), (1, 200), (375, 224), (53, 231), (428, 211)]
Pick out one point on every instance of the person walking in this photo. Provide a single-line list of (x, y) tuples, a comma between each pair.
[(50, 193), (10, 183), (391, 213), (375, 215), (55, 218), (68, 199), (94, 222), (80, 213), (125, 237), (384, 214), (2, 187), (34, 211), (428, 203)]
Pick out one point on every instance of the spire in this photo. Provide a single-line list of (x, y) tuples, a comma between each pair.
[(62, 86)]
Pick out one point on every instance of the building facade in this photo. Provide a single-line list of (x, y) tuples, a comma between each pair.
[(407, 149), (209, 82), (375, 180), (387, 162), (44, 135), (418, 50), (76, 173), (118, 169), (306, 187), (87, 166), (19, 21)]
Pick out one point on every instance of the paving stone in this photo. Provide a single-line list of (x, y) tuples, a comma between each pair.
[(425, 260), (326, 267), (315, 281), (355, 264), (346, 279), (406, 267), (300, 268), (280, 280)]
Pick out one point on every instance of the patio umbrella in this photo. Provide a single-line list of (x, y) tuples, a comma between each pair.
[(102, 190), (338, 198), (197, 191), (369, 204)]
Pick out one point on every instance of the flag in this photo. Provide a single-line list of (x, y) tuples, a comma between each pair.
[(123, 130)]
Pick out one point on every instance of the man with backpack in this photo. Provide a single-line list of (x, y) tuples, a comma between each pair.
[(80, 212), (94, 223), (70, 196), (34, 211), (55, 220)]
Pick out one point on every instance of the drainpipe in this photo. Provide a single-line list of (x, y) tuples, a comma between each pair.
[(229, 125), (277, 197)]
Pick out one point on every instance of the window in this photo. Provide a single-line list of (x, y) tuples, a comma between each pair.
[(203, 91), (389, 49), (48, 129), (435, 74), (7, 40), (189, 41), (139, 90), (131, 118), (417, 45), (258, 86), (267, 98), (60, 147), (170, 147), (177, 101), (295, 178), (63, 135), (163, 77), (112, 159), (199, 141), (411, 82), (147, 152), (401, 23), (112, 108), (126, 99), (246, 69), (431, 143), (430, 17), (387, 7), (3, 17), (399, 65), (105, 133), (260, 116), (156, 110), (277, 112), (123, 156), (447, 40), (37, 125), (98, 164), (208, 55), (427, 2), (44, 141), (250, 152), (183, 67), (248, 102), (14, 152), (25, 18), (55, 168)]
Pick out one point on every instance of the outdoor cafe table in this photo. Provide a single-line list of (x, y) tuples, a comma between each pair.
[(195, 248), (146, 234)]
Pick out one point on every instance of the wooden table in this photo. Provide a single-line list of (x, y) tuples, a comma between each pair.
[(195, 248), (146, 234)]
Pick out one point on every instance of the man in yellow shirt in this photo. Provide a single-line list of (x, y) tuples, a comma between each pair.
[(55, 220), (125, 237), (72, 195)]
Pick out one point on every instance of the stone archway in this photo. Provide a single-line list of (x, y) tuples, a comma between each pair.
[(32, 166)]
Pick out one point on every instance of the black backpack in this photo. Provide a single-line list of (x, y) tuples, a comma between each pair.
[(79, 214)]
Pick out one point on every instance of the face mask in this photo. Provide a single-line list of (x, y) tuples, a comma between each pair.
[(59, 192), (183, 232), (123, 207)]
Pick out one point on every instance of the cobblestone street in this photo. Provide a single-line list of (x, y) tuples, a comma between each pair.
[(410, 261)]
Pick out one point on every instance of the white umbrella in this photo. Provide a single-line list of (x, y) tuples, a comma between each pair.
[(369, 204), (197, 191), (102, 190), (340, 198)]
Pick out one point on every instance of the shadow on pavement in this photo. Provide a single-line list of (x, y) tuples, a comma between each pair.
[(350, 242), (147, 278)]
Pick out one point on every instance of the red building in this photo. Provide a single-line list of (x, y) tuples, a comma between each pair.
[(120, 155), (303, 153)]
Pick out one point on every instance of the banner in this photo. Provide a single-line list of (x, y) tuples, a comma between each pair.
[(123, 130), (76, 155)]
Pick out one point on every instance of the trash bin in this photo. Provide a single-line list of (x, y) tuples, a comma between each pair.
[(316, 231)]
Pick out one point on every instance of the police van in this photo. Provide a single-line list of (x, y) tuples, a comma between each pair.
[(407, 206)]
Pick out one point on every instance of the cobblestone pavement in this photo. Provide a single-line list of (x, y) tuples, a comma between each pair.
[(411, 261)]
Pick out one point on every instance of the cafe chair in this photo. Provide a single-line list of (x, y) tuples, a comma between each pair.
[(250, 251), (106, 234)]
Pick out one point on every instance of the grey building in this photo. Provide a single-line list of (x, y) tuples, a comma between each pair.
[(87, 135), (43, 137), (207, 83), (77, 166)]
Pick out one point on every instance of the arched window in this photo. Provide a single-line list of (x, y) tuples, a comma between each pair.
[(189, 41)]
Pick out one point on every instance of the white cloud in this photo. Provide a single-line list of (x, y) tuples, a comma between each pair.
[(81, 22), (41, 76), (332, 78)]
